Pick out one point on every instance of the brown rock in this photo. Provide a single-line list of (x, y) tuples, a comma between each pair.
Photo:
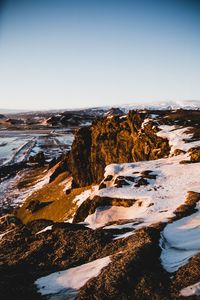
[(195, 154), (113, 140)]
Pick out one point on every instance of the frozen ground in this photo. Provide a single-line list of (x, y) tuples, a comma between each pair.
[(11, 196), (16, 146), (65, 284), (157, 200)]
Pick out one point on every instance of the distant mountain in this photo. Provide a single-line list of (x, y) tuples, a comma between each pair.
[(162, 105), (11, 111)]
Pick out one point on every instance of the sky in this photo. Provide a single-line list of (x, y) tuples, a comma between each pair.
[(80, 53)]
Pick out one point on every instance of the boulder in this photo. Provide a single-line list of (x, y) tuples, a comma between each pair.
[(195, 154), (39, 158)]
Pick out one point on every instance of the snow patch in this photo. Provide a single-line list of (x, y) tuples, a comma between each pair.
[(71, 279), (103, 215), (145, 122), (158, 200), (45, 229), (79, 199), (191, 290), (177, 137), (180, 241)]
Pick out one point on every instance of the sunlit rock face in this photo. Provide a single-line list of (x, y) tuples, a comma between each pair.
[(113, 140)]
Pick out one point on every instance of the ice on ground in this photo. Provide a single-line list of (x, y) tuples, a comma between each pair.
[(71, 279), (191, 290), (180, 241), (17, 146), (10, 147), (45, 229)]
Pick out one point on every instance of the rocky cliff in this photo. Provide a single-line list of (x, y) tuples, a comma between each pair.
[(113, 140)]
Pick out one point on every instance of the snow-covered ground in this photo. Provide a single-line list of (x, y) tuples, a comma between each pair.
[(66, 283), (9, 146), (11, 196), (180, 241), (156, 201), (177, 136), (17, 146), (163, 105)]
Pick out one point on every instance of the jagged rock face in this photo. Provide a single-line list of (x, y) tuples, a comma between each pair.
[(113, 140), (79, 160)]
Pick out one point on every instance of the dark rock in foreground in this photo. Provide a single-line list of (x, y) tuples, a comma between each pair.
[(134, 272)]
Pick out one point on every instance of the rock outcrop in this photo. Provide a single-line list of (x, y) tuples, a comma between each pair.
[(113, 140), (42, 242)]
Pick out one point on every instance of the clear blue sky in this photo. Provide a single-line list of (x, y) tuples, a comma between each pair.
[(64, 54)]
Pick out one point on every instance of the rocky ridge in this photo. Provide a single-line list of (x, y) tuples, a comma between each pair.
[(124, 211)]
